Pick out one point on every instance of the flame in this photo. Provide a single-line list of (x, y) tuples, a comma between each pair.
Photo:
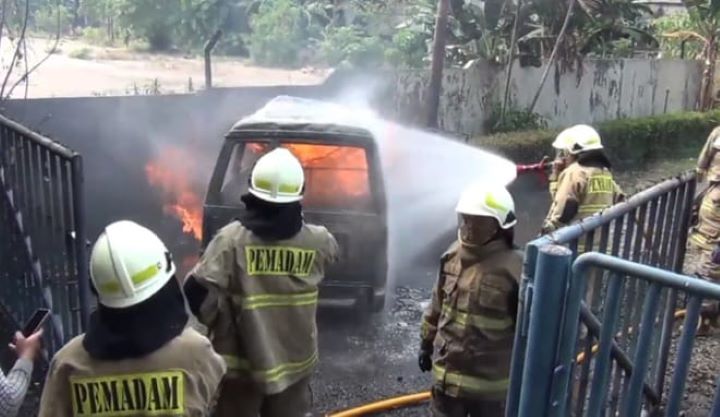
[(171, 172), (335, 176)]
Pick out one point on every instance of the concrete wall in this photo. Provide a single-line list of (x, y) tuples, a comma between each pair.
[(599, 91)]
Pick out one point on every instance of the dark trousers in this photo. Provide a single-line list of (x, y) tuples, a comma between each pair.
[(240, 399), (446, 406)]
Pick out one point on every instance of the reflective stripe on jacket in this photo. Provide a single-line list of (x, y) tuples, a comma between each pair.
[(470, 321), (581, 192), (182, 378), (706, 234), (709, 159), (262, 301)]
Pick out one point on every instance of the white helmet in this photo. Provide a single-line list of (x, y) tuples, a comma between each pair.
[(278, 177), (579, 138), (129, 264), (489, 201), (716, 143)]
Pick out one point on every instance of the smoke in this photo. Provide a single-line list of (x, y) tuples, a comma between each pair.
[(424, 175), (118, 137)]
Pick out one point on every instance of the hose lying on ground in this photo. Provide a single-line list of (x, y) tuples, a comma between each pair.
[(384, 405), (581, 356)]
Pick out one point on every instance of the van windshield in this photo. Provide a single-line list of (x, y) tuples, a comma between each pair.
[(336, 176)]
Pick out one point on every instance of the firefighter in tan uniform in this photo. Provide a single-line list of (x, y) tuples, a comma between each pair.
[(256, 289), (470, 323), (581, 184), (137, 358), (705, 235)]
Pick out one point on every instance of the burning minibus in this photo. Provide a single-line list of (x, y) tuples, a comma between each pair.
[(344, 189)]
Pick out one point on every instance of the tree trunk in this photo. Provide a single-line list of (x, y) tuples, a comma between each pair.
[(708, 83), (438, 62), (554, 53), (511, 61), (76, 14)]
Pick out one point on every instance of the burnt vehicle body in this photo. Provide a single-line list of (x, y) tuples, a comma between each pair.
[(344, 191)]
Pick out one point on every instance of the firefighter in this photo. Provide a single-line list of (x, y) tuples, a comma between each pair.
[(256, 289), (470, 323), (581, 183), (705, 235), (138, 357), (709, 269)]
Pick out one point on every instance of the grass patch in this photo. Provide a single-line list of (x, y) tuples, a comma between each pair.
[(81, 53)]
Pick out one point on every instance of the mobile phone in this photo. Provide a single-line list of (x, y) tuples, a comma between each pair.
[(36, 321)]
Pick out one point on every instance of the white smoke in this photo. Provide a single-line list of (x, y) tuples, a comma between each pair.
[(424, 175)]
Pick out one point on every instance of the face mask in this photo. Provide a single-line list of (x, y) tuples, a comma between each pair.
[(476, 230)]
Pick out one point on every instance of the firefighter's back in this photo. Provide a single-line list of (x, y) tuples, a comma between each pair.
[(180, 378)]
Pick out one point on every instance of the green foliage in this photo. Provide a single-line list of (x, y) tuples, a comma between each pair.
[(356, 32), (628, 141), (514, 120), (669, 29), (349, 45), (151, 20), (278, 33), (81, 53), (49, 16), (96, 36), (409, 48)]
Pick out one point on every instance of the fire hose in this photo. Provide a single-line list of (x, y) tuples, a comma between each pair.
[(409, 400)]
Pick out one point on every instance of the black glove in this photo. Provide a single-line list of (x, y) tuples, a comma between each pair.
[(425, 360)]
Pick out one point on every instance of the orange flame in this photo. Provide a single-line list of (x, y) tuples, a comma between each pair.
[(171, 172)]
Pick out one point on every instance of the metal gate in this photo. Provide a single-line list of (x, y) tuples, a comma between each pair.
[(623, 339), (43, 254)]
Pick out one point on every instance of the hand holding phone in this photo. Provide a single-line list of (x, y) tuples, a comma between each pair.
[(35, 322), (28, 342)]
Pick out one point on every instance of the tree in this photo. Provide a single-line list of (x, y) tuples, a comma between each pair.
[(14, 20), (593, 29), (703, 27)]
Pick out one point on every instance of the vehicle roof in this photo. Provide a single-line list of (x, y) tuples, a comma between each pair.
[(295, 114)]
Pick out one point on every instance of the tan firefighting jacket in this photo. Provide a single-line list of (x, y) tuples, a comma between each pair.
[(260, 310), (709, 159), (706, 234), (181, 378), (471, 321), (592, 189)]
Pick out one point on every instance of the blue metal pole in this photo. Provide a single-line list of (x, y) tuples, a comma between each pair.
[(715, 412), (519, 344), (601, 372), (551, 281), (690, 285), (684, 352), (633, 399), (568, 342)]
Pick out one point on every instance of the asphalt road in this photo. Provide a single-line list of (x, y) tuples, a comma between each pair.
[(364, 360)]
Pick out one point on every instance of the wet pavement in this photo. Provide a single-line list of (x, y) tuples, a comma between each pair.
[(364, 360)]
